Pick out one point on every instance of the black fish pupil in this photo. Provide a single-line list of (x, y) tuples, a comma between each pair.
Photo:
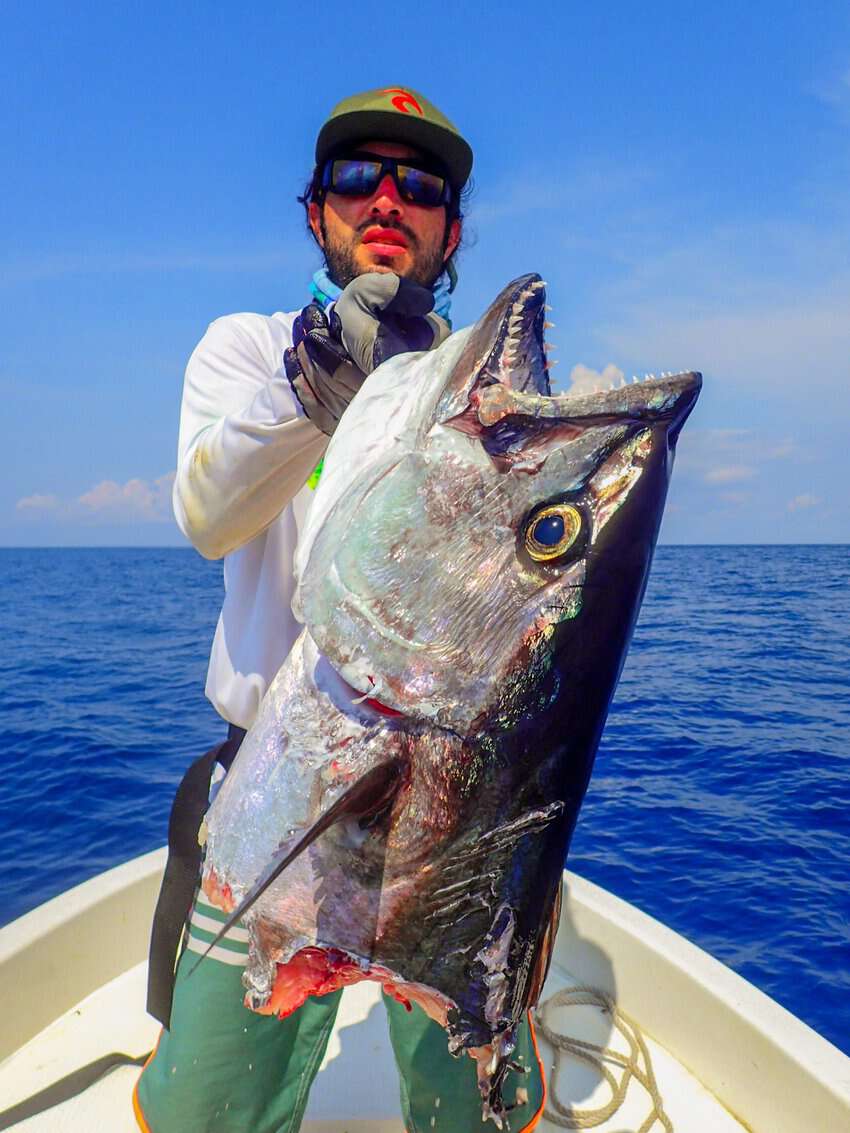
[(549, 531)]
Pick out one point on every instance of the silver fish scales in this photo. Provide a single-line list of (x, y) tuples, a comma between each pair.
[(468, 579)]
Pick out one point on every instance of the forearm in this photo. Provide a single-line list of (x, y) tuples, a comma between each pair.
[(246, 447), (237, 477)]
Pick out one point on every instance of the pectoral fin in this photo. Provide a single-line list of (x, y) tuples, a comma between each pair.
[(364, 800)]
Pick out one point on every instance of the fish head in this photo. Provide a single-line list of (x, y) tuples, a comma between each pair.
[(467, 520)]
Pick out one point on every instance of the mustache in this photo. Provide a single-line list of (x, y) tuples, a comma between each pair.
[(390, 222)]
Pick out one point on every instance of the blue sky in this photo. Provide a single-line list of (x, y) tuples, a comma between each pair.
[(678, 173)]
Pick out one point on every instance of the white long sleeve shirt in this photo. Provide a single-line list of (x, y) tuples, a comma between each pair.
[(245, 452)]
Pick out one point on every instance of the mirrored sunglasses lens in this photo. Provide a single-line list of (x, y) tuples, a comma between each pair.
[(421, 187), (354, 178)]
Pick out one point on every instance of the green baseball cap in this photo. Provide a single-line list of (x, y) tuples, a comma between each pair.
[(396, 114)]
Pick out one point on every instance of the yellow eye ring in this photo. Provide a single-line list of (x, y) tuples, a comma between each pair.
[(552, 532)]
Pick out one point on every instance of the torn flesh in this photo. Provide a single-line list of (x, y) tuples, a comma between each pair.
[(314, 971), (317, 970)]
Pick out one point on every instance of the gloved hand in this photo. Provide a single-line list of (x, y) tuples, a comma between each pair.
[(380, 315), (377, 316), (322, 376)]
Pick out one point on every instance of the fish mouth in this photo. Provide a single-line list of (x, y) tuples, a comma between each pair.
[(513, 379), (505, 347), (517, 360), (356, 703), (648, 400), (518, 353), (503, 384)]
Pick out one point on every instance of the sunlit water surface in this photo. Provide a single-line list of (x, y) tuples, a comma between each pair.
[(720, 802)]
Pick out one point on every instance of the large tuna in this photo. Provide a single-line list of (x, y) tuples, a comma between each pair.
[(469, 577)]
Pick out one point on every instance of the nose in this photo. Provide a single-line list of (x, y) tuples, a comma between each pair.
[(387, 199)]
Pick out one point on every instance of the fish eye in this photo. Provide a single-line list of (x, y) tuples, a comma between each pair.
[(552, 531)]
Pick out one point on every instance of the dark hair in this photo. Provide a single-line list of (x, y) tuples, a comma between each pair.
[(455, 209)]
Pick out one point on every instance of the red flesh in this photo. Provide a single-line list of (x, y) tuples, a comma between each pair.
[(318, 971)]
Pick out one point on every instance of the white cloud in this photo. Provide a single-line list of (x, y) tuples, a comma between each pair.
[(727, 456), (780, 450), (136, 501), (803, 501), (804, 346), (762, 305), (719, 468), (729, 474), (736, 499), (38, 503), (584, 379)]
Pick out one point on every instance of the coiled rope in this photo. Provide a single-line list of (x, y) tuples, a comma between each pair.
[(636, 1064)]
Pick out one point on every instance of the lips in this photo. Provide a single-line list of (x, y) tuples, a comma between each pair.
[(385, 241)]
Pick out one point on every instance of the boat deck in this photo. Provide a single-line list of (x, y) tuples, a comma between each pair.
[(348, 1094)]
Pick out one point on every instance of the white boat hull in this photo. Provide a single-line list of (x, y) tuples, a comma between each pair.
[(726, 1057)]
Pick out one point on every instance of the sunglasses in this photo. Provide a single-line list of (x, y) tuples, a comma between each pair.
[(361, 176)]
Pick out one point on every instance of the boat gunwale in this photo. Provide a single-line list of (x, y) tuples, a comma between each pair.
[(770, 1069)]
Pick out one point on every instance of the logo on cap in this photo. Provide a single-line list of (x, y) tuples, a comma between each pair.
[(404, 100)]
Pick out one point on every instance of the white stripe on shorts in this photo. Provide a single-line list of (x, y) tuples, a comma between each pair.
[(209, 925), (237, 959)]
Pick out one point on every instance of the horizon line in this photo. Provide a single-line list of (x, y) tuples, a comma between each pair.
[(189, 547)]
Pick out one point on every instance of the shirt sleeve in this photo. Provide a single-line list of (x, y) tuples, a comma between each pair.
[(245, 447)]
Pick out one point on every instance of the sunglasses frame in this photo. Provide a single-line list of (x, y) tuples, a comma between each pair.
[(389, 165)]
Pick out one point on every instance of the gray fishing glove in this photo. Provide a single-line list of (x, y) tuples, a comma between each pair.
[(377, 316), (380, 315)]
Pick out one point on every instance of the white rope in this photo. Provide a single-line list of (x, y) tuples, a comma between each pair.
[(636, 1064)]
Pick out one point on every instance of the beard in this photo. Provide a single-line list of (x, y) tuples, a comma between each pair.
[(342, 266)]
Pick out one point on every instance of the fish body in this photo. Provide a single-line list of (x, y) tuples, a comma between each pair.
[(468, 579)]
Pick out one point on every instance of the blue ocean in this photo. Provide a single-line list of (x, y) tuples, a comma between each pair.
[(720, 802)]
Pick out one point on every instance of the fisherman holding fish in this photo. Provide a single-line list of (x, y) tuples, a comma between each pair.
[(262, 396)]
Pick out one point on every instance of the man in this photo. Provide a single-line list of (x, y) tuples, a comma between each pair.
[(262, 394)]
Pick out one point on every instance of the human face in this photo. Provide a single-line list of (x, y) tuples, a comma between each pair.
[(383, 232)]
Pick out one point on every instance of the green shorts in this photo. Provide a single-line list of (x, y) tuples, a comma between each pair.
[(224, 1069)]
